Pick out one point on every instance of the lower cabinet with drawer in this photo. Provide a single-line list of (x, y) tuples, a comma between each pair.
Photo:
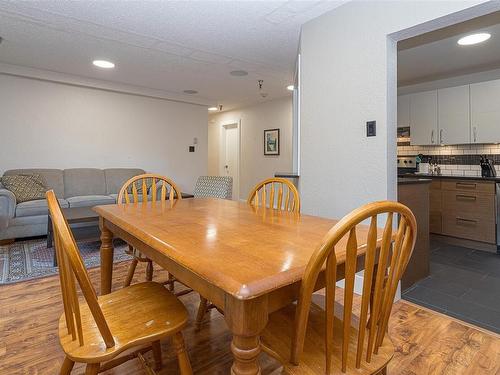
[(467, 210)]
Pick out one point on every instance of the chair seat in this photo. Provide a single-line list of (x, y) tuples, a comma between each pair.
[(277, 337), (136, 315)]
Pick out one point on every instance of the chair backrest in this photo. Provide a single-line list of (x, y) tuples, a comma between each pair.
[(385, 261), (71, 266), (140, 188), (278, 193), (214, 186)]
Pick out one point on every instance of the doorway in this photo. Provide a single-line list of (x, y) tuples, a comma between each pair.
[(229, 164), (440, 112)]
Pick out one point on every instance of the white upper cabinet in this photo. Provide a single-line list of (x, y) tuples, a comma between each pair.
[(403, 111), (485, 112), (453, 116), (424, 118)]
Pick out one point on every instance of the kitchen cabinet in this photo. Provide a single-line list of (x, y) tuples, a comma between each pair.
[(485, 112), (416, 197), (403, 111), (424, 118), (453, 115), (435, 207), (463, 209)]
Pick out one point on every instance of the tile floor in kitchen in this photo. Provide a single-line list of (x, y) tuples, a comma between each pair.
[(464, 283)]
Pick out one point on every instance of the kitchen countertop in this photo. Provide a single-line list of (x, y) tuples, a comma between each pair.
[(286, 175), (427, 176), (413, 180)]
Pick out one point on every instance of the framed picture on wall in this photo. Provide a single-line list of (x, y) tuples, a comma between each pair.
[(271, 142)]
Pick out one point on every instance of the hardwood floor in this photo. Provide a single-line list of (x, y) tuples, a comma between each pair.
[(427, 342)]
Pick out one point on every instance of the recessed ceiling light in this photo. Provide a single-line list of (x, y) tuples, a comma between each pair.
[(290, 87), (239, 73), (103, 64), (212, 109), (474, 39), (190, 92)]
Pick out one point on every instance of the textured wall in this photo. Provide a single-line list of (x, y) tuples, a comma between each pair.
[(348, 77), (53, 125)]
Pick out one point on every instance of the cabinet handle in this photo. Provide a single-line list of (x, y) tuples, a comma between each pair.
[(432, 136), (467, 220), (474, 132), (441, 138), (465, 185), (466, 197)]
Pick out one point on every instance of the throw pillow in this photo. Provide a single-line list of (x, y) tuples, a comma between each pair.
[(25, 187)]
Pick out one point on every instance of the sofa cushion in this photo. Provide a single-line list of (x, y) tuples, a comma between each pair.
[(39, 207), (4, 222), (25, 187), (116, 177), (84, 181), (90, 200), (53, 178)]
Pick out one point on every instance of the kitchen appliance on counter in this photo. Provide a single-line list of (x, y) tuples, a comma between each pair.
[(487, 168), (407, 165)]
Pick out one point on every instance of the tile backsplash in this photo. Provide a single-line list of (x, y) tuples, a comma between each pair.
[(459, 160)]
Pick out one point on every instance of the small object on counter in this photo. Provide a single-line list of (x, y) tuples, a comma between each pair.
[(487, 168), (423, 168), (435, 169)]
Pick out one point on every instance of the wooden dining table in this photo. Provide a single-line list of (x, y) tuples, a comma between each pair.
[(247, 261)]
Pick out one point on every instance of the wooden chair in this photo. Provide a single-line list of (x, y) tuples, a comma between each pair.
[(287, 199), (105, 331), (278, 193), (142, 188), (309, 340)]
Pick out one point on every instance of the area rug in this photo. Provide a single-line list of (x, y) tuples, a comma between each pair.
[(31, 259)]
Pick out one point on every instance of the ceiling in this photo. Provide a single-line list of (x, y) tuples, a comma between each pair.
[(164, 45), (437, 55)]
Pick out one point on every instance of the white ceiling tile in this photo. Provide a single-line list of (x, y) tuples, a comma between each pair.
[(166, 45)]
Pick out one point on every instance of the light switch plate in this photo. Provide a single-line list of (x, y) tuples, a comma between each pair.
[(371, 128)]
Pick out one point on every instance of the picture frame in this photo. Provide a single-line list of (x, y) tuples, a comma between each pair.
[(272, 142)]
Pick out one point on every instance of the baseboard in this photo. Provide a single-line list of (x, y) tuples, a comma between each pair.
[(491, 248)]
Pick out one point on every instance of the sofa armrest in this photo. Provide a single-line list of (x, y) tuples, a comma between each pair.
[(7, 203)]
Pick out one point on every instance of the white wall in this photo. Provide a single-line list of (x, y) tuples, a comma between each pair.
[(54, 125), (254, 166), (348, 77)]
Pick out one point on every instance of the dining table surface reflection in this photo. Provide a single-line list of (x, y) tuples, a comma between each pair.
[(247, 261)]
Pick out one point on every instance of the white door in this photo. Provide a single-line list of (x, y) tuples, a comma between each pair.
[(453, 115), (485, 112), (424, 118), (230, 157), (403, 111)]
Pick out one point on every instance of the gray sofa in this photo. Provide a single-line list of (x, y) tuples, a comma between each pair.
[(78, 187)]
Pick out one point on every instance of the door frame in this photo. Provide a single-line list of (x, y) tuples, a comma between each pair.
[(222, 154)]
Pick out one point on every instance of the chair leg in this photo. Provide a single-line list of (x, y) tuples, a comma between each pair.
[(92, 369), (202, 310), (157, 355), (149, 271), (182, 356), (171, 282), (131, 271), (67, 366)]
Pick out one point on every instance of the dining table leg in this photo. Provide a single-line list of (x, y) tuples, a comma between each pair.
[(107, 251), (246, 320)]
